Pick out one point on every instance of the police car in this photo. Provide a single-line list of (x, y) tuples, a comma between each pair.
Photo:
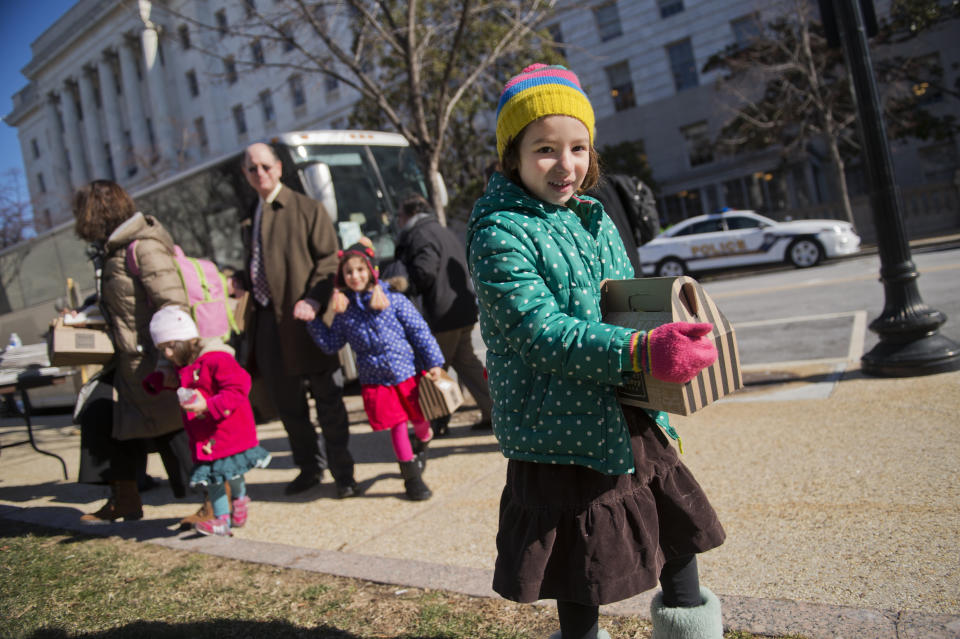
[(739, 238)]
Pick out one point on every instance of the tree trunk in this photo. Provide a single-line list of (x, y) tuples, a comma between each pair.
[(437, 188), (841, 178)]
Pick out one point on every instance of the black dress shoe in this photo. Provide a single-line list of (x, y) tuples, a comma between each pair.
[(483, 424), (349, 489), (304, 481)]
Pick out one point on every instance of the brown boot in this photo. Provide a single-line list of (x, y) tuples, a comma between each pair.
[(204, 514), (124, 503)]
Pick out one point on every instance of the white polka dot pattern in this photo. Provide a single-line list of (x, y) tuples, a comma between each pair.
[(391, 345), (553, 365)]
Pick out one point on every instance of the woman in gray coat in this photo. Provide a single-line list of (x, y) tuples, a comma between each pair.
[(106, 216)]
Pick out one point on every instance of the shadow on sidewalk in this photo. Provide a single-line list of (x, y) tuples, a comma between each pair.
[(200, 629)]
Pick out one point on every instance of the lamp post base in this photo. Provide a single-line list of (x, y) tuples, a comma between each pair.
[(924, 356)]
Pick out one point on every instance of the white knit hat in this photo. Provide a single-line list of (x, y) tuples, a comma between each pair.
[(172, 324)]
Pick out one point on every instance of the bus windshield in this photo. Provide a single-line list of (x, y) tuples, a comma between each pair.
[(369, 183)]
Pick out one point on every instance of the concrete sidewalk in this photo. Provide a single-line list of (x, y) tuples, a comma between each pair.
[(839, 494)]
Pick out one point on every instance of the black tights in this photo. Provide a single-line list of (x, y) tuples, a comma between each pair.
[(681, 589)]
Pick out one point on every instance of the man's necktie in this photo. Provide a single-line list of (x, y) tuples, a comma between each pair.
[(261, 290)]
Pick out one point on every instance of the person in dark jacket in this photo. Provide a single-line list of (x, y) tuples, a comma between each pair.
[(436, 265)]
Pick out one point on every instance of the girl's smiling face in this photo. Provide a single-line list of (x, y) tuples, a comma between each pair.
[(356, 275), (554, 155)]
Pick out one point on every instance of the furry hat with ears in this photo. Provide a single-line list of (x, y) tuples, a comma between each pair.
[(364, 250)]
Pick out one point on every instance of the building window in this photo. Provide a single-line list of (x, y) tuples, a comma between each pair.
[(669, 7), (256, 53), (682, 64), (184, 32), (746, 30), (266, 103), (297, 96), (250, 7), (939, 161), (221, 18), (699, 147), (288, 41), (230, 70), (608, 21), (924, 91), (621, 86), (239, 120), (35, 148), (41, 184), (192, 85), (331, 84), (556, 37), (201, 129)]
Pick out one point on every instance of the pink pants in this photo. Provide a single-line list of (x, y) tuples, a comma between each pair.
[(401, 440)]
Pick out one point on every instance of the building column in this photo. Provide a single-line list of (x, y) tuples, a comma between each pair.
[(156, 86), (111, 113), (71, 126), (142, 150), (58, 150), (96, 154)]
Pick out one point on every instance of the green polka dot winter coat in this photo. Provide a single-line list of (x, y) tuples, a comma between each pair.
[(553, 365)]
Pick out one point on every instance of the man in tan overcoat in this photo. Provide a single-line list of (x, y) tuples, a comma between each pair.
[(292, 258)]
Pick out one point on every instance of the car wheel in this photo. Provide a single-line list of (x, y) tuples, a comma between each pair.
[(671, 267), (804, 252)]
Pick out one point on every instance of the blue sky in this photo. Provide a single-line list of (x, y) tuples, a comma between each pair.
[(21, 22)]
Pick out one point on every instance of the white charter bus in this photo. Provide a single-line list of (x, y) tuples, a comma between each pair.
[(359, 176)]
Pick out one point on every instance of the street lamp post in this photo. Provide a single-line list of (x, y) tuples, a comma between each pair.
[(910, 342)]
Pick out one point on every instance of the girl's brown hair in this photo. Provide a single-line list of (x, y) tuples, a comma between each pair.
[(510, 165), (184, 350), (99, 208)]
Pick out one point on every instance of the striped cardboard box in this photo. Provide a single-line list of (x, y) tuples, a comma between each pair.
[(440, 398), (646, 303)]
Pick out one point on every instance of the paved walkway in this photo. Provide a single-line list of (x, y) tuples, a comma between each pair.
[(839, 494)]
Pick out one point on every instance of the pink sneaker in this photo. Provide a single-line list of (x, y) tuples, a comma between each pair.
[(216, 526), (239, 517)]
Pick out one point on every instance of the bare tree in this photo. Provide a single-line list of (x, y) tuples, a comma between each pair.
[(417, 65), (16, 216), (789, 89)]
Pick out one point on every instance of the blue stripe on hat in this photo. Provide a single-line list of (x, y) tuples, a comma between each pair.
[(529, 83)]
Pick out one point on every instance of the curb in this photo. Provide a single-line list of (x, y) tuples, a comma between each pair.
[(750, 614)]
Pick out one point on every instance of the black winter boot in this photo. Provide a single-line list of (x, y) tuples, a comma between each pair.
[(416, 489), (419, 451)]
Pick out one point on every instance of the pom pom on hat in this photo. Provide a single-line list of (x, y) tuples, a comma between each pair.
[(171, 324), (538, 91)]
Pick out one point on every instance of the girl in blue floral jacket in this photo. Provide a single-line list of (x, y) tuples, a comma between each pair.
[(388, 336), (597, 506)]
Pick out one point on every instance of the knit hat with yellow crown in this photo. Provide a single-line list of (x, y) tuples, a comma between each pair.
[(538, 91)]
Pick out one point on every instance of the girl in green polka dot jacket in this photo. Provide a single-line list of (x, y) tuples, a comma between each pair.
[(597, 506)]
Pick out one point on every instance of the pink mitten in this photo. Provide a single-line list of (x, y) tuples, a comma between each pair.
[(676, 352)]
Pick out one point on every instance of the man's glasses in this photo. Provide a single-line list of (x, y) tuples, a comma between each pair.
[(253, 168)]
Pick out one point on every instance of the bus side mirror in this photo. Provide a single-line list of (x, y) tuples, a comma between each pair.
[(318, 183)]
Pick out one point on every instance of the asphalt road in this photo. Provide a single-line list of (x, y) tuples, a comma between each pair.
[(823, 313)]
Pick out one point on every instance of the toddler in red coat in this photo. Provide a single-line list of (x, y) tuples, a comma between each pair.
[(213, 391)]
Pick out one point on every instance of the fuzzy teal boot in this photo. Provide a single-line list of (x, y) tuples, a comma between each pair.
[(702, 622)]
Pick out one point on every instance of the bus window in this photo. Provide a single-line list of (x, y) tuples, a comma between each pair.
[(203, 212)]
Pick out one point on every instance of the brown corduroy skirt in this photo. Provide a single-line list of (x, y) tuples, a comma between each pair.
[(573, 534)]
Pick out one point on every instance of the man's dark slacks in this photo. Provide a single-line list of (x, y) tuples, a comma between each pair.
[(311, 453)]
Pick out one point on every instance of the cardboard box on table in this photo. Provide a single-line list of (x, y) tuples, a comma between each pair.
[(78, 345), (644, 304)]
